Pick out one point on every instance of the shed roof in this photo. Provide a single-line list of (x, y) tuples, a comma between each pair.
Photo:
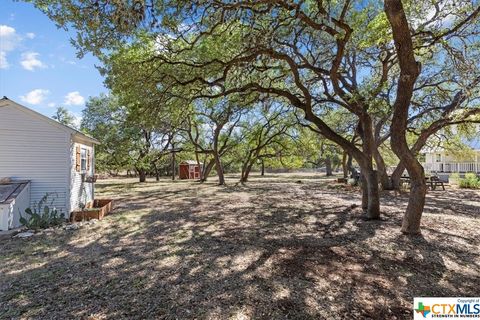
[(190, 162), (10, 190), (7, 102)]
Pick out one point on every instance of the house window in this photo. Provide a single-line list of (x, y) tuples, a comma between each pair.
[(438, 157), (83, 159)]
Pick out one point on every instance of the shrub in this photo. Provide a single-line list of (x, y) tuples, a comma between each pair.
[(42, 216), (454, 177), (471, 181)]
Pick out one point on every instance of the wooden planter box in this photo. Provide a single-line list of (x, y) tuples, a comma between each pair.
[(91, 179), (94, 210)]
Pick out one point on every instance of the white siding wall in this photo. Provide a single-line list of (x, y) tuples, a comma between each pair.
[(80, 192), (32, 149), (429, 158)]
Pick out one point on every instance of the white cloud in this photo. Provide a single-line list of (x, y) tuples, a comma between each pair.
[(9, 38), (30, 35), (51, 104), (74, 98), (3, 60), (35, 96), (6, 30), (30, 61)]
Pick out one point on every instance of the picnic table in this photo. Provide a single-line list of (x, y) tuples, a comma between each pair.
[(432, 182)]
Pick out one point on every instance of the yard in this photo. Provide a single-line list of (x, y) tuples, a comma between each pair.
[(280, 247)]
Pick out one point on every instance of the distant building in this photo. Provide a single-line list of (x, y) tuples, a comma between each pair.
[(440, 160)]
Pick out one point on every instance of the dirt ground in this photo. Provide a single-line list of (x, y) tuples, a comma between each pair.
[(281, 247)]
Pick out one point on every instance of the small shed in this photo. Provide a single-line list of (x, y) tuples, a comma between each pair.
[(14, 199), (189, 169)]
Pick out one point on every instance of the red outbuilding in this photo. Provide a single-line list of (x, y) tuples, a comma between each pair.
[(189, 169)]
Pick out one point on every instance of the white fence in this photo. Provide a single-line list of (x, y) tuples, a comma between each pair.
[(452, 167)]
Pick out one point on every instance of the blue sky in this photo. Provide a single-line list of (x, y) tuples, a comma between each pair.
[(38, 65)]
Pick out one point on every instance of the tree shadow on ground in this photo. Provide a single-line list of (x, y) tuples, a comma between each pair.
[(259, 253)]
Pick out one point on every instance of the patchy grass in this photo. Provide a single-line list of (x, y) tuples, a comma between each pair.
[(279, 247)]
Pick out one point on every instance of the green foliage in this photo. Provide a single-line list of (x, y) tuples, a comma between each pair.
[(64, 116), (471, 181), (104, 118), (43, 215), (158, 58), (455, 177)]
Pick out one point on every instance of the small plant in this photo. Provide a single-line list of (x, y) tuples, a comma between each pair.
[(455, 178), (471, 181), (42, 216)]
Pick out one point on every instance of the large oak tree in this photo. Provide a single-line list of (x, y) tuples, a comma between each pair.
[(364, 58)]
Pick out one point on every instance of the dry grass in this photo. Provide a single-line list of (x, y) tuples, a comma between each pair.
[(272, 249)]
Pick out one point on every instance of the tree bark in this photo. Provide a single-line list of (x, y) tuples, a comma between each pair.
[(246, 171), (328, 166), (142, 175), (385, 180), (216, 155), (200, 171), (363, 185), (157, 172), (409, 71), (207, 169), (416, 201), (219, 168), (370, 192), (173, 161), (263, 168), (247, 166), (373, 209), (397, 175), (344, 165)]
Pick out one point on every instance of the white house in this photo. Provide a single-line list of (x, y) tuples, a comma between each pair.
[(54, 158), (440, 160)]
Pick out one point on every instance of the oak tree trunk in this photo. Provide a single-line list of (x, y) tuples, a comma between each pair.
[(363, 185), (416, 201), (328, 166), (385, 180), (157, 172), (397, 175), (373, 208), (344, 165), (200, 171), (207, 169), (370, 193), (173, 161), (246, 172), (409, 72), (219, 168), (142, 175)]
